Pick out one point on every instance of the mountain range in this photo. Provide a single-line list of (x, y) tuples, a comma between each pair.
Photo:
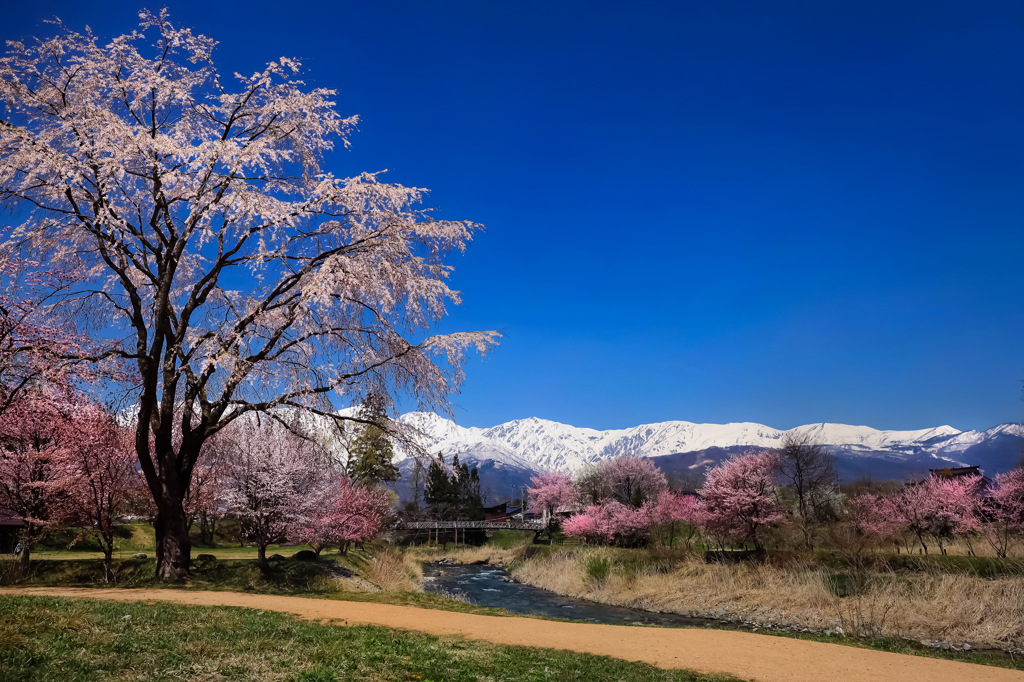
[(507, 455)]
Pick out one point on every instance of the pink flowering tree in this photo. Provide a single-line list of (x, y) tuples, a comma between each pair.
[(588, 526), (205, 500), (738, 501), (107, 486), (633, 480), (1003, 511), (936, 508), (550, 491), (33, 344), (36, 479), (348, 513), (612, 522), (956, 506), (272, 481), (167, 185), (870, 516), (679, 514)]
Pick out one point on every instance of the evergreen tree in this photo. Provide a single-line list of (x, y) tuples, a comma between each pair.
[(371, 451), (440, 493), (456, 495), (472, 505)]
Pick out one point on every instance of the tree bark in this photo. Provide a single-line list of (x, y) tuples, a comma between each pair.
[(261, 558), (26, 551), (107, 538), (173, 545)]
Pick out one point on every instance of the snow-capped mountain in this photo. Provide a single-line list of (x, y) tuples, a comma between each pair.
[(508, 454)]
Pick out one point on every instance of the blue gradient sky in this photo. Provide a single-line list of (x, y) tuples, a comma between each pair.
[(784, 212)]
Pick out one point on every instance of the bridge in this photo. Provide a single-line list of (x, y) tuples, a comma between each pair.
[(511, 524)]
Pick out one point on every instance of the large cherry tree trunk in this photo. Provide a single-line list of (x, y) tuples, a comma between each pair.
[(173, 545), (169, 474)]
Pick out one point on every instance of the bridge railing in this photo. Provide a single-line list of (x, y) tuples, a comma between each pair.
[(469, 525)]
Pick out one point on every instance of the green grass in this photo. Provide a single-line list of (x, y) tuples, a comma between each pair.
[(507, 539), (44, 638), (899, 645), (128, 538), (289, 577), (139, 537), (598, 568)]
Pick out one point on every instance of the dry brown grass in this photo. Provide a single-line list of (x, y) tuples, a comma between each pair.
[(926, 605), (467, 554), (393, 571), (979, 546)]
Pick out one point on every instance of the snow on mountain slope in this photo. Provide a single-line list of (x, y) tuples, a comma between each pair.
[(542, 444)]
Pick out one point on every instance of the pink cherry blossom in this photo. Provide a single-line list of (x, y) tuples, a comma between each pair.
[(218, 255), (347, 513), (738, 498), (550, 492)]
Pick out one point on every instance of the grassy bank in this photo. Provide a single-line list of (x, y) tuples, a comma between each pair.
[(48, 638), (379, 574), (922, 604)]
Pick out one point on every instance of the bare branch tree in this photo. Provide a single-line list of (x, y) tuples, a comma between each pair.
[(809, 469)]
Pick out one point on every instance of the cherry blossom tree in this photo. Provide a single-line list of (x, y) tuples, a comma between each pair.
[(167, 186), (550, 491), (100, 455), (589, 526), (738, 498), (1004, 511), (630, 480), (611, 522), (672, 509), (937, 508), (349, 513), (30, 341), (871, 517), (955, 504), (272, 478), (205, 499), (35, 477)]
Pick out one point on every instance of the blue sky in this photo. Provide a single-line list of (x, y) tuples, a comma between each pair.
[(784, 212)]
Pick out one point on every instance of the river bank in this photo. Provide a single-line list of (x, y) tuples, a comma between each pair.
[(941, 611)]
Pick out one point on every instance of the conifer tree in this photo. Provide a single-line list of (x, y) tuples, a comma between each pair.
[(371, 451)]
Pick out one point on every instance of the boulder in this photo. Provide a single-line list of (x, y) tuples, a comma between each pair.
[(140, 555), (205, 559), (305, 555)]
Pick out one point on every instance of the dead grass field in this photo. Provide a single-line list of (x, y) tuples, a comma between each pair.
[(920, 605)]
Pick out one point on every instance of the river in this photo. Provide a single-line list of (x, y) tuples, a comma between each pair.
[(489, 586)]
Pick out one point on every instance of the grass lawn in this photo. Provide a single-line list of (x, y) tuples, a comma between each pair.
[(139, 537), (43, 638), (123, 554)]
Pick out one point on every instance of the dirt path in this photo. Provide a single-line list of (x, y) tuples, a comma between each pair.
[(743, 654)]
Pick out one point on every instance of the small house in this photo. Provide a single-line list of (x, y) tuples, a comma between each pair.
[(10, 528)]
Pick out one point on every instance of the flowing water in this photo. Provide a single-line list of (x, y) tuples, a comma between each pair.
[(489, 586)]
